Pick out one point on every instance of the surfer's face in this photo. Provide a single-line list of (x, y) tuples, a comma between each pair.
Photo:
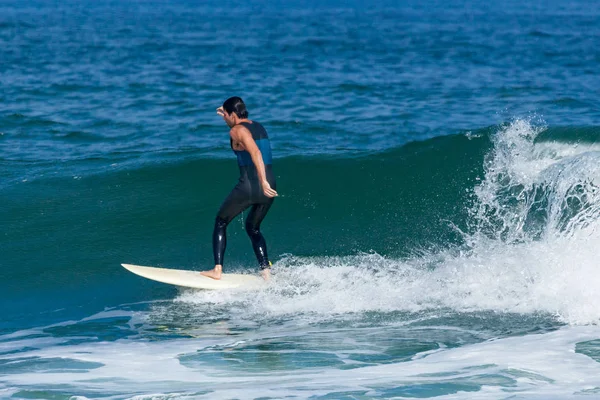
[(229, 119)]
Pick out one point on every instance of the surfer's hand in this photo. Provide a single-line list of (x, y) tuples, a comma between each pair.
[(220, 111), (267, 189)]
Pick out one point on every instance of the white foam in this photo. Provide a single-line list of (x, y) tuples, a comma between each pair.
[(554, 277), (542, 365)]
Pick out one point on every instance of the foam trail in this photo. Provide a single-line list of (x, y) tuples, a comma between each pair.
[(553, 277), (542, 365)]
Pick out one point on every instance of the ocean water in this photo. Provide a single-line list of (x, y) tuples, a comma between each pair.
[(438, 225)]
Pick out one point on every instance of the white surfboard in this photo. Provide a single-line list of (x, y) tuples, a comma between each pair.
[(193, 279)]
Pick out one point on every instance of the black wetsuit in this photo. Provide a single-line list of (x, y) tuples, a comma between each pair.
[(247, 193)]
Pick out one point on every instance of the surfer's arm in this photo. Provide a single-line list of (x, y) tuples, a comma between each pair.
[(245, 137)]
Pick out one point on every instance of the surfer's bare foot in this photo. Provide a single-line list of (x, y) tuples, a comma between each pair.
[(214, 273), (266, 274)]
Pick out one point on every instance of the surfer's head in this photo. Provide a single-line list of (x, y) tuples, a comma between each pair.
[(234, 107)]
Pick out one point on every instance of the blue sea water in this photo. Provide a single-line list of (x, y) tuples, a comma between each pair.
[(437, 228)]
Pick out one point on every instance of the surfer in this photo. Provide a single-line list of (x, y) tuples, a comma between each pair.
[(255, 189)]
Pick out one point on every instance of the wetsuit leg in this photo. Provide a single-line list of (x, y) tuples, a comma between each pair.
[(234, 204), (255, 217)]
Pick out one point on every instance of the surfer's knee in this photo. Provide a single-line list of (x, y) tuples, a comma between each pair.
[(252, 230), (221, 223)]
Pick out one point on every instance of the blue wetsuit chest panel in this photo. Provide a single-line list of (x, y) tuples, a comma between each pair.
[(259, 134)]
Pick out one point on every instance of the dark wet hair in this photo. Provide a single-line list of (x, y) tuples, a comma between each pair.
[(236, 105)]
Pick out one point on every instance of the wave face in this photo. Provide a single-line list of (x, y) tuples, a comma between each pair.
[(518, 235), (503, 218)]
